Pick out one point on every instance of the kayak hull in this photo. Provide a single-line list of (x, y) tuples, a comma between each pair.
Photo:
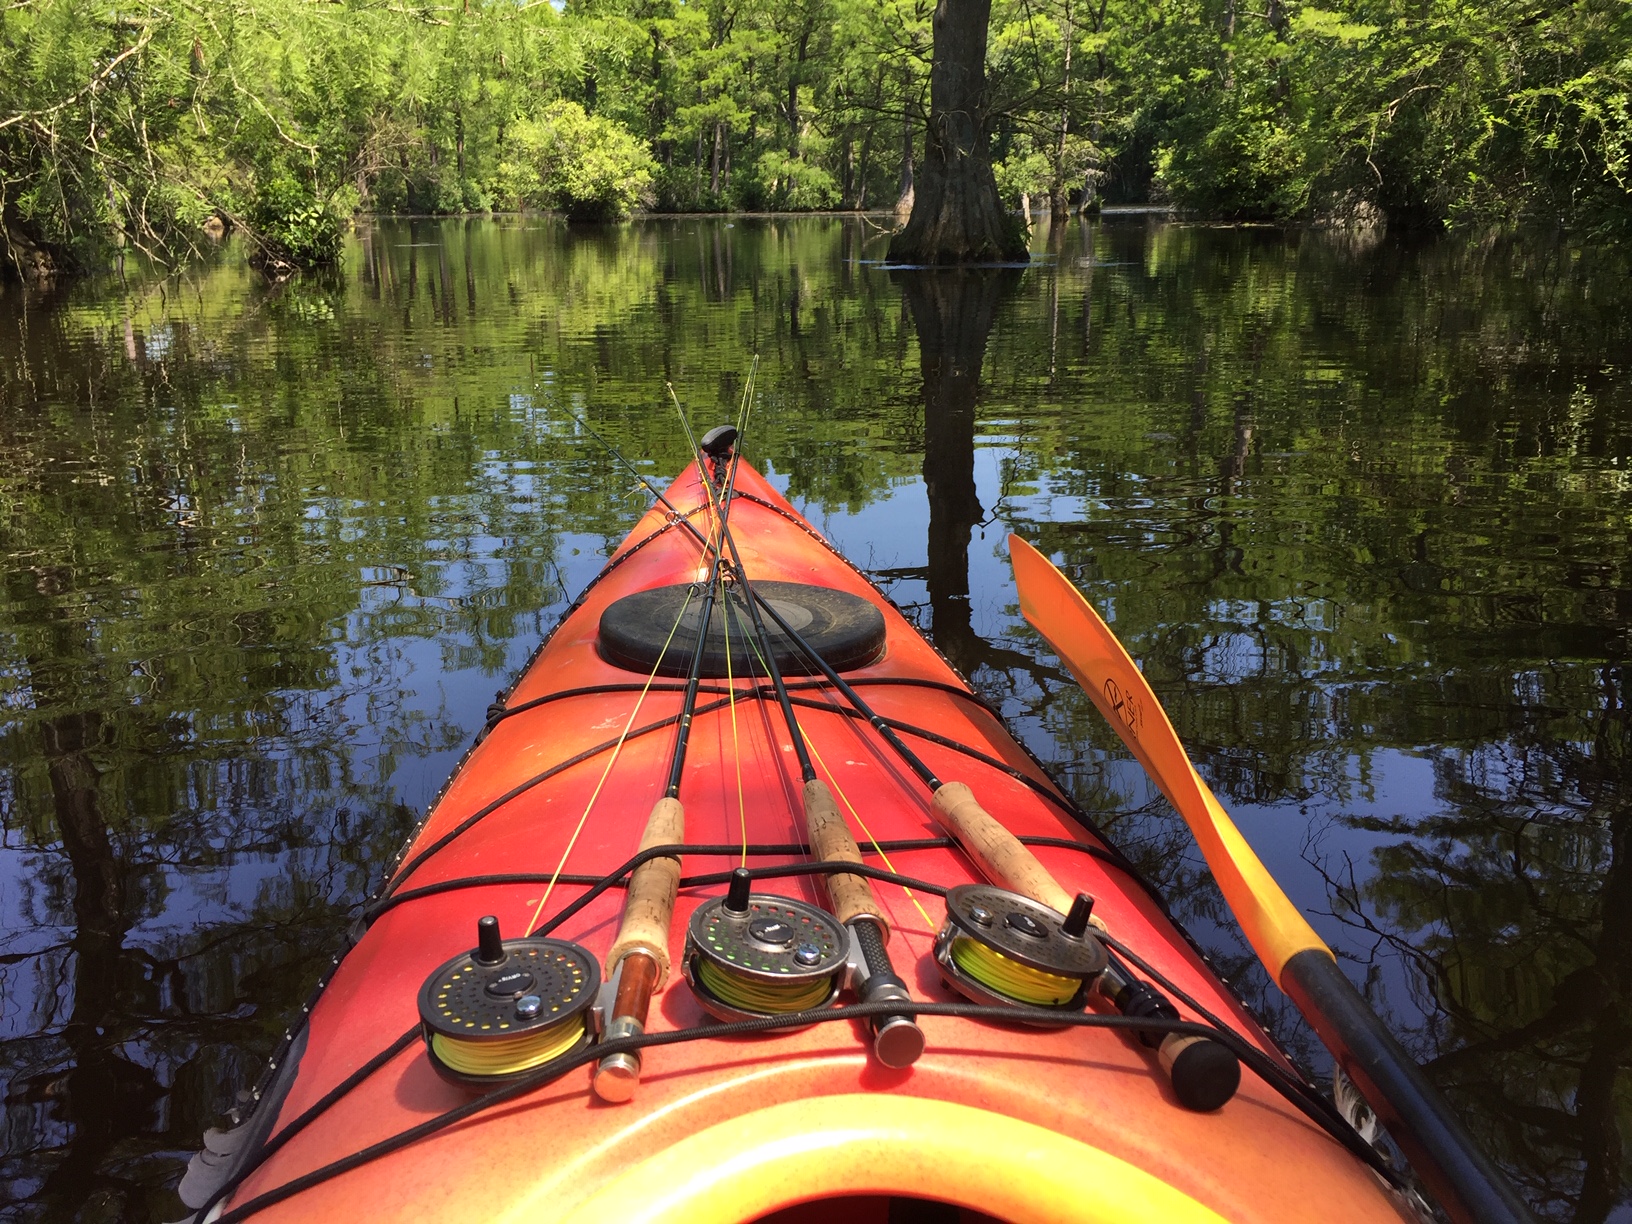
[(1017, 1123)]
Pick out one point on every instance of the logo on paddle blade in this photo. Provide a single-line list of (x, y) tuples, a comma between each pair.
[(1126, 705)]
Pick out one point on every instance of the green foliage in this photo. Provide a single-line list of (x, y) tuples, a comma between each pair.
[(1424, 114), (589, 167), (294, 228), (129, 128), (1025, 171), (794, 184)]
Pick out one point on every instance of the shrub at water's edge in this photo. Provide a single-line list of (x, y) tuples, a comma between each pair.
[(589, 168)]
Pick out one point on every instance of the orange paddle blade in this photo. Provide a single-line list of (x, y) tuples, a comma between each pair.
[(1057, 610)]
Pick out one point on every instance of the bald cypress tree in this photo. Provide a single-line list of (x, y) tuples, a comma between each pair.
[(957, 214)]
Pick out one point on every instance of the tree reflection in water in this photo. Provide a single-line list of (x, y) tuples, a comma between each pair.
[(1360, 509)]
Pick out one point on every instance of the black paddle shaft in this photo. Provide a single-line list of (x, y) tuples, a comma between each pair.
[(1467, 1183)]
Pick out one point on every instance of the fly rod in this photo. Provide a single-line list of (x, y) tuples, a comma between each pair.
[(1207, 1074), (641, 948), (897, 1039)]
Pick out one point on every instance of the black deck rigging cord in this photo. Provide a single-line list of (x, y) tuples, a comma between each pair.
[(1302, 1095), (1293, 1088)]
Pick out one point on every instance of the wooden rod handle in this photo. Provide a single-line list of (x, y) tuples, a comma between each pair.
[(997, 852), (617, 1075), (648, 905), (830, 840)]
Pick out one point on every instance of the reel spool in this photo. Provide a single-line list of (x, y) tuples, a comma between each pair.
[(755, 955), (999, 947), (507, 1008)]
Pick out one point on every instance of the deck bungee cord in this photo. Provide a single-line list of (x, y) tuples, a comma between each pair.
[(882, 848), (1021, 989), (1260, 1063), (1043, 791)]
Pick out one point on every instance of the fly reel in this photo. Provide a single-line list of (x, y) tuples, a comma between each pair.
[(755, 955), (507, 1008), (999, 947)]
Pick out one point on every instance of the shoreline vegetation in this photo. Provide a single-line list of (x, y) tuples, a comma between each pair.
[(150, 126)]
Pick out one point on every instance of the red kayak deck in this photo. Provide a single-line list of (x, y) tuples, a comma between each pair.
[(557, 1149)]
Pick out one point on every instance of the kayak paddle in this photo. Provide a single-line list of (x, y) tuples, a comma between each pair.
[(1466, 1182)]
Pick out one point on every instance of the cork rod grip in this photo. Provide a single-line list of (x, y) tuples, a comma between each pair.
[(997, 852), (831, 842), (649, 903)]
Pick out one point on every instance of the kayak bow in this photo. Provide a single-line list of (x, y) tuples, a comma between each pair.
[(749, 1054)]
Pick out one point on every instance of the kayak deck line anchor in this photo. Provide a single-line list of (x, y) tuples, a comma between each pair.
[(1000, 947), (507, 1007), (717, 442), (657, 629), (751, 955)]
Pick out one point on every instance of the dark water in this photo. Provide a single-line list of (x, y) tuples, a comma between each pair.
[(1361, 510)]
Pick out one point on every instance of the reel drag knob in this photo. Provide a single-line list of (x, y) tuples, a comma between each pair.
[(507, 1007), (999, 947), (752, 955)]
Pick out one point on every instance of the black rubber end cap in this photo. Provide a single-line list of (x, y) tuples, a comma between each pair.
[(1205, 1076), (898, 1042), (717, 442)]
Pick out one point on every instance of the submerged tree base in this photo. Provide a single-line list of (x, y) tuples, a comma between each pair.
[(957, 218), (29, 261), (957, 214)]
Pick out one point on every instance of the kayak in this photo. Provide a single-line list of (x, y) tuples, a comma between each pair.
[(614, 973)]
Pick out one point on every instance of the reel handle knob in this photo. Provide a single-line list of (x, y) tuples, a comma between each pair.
[(1076, 922), (736, 897), (489, 943)]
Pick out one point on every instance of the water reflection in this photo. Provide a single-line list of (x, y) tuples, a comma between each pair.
[(952, 312), (1361, 512)]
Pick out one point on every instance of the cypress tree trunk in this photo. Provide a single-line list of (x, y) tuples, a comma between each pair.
[(904, 198), (957, 216)]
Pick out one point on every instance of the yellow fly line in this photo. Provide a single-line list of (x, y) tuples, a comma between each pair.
[(617, 748), (766, 998), (509, 1055), (1010, 978)]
